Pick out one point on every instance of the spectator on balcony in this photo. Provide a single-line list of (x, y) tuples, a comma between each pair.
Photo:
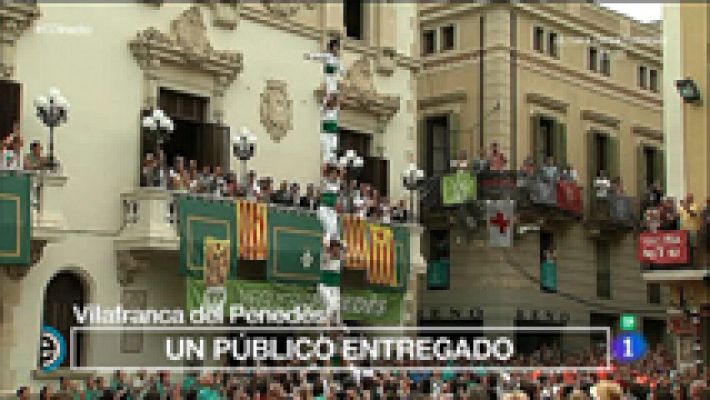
[(373, 204), (617, 187), (461, 161), (294, 195), (481, 163), (177, 174), (652, 219), (252, 190), (385, 210), (282, 194), (568, 173), (498, 161), (219, 181), (399, 213), (310, 200), (149, 170), (266, 190), (204, 180), (690, 219), (528, 167), (35, 160), (602, 185), (654, 194), (12, 150), (669, 215), (549, 171)]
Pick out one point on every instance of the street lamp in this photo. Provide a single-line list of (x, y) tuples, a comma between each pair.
[(412, 179), (352, 163), (161, 126), (52, 111), (244, 147)]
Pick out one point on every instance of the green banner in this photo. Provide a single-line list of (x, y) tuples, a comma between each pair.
[(369, 306), (295, 241), (201, 219), (548, 276), (402, 252), (437, 275), (15, 224), (457, 188)]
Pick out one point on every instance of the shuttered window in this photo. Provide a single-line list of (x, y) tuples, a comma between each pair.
[(10, 105)]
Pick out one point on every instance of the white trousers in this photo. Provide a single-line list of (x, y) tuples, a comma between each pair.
[(328, 147), (331, 83), (329, 219), (331, 299)]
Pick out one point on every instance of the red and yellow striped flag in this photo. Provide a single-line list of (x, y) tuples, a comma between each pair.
[(382, 268), (251, 220), (355, 237)]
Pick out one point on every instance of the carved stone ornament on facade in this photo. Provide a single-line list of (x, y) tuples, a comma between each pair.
[(187, 46), (280, 8), (128, 264), (15, 19), (276, 110), (225, 14), (358, 91)]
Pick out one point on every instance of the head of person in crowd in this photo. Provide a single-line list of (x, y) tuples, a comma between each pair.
[(334, 47), (192, 166)]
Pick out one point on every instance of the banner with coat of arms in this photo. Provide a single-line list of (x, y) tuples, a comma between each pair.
[(458, 187)]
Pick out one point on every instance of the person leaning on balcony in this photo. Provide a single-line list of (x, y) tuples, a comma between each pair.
[(568, 173), (481, 163), (461, 162), (310, 200), (12, 150), (669, 214), (690, 219), (549, 171), (602, 185), (497, 158), (282, 194), (34, 160)]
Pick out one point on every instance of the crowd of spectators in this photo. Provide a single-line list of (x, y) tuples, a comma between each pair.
[(358, 198), (655, 377)]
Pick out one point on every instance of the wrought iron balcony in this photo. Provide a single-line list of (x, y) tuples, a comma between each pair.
[(611, 213)]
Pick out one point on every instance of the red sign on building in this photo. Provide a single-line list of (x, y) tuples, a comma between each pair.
[(569, 197), (663, 247)]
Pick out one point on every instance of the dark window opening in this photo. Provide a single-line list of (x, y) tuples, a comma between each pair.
[(605, 64), (192, 138), (593, 58), (538, 38), (602, 154), (546, 244), (64, 291), (447, 38), (438, 155), (10, 106), (653, 80), (600, 320), (547, 127), (428, 42), (553, 45), (353, 12), (603, 264), (654, 293), (650, 164), (353, 140), (642, 77)]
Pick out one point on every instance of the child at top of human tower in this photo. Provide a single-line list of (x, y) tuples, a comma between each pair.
[(331, 65)]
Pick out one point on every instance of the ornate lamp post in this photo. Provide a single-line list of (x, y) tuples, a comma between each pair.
[(161, 126), (412, 179), (352, 164), (244, 147), (52, 110)]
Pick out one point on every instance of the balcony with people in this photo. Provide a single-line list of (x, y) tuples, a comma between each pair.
[(674, 237)]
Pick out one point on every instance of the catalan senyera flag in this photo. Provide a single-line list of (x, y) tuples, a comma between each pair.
[(253, 238), (355, 236), (382, 268)]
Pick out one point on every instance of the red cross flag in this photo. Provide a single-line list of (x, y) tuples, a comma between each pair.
[(499, 216)]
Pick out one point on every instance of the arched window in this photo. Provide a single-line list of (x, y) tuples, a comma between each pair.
[(64, 290)]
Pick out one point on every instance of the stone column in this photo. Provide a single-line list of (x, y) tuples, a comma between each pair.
[(496, 78)]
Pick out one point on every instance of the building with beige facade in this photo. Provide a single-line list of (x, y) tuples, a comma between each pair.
[(572, 81), (685, 58), (210, 66)]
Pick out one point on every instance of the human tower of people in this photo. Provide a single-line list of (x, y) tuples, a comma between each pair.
[(333, 247)]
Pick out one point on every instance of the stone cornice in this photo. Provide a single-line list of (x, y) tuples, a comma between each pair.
[(647, 132), (152, 48), (600, 118), (458, 96), (382, 106), (547, 102)]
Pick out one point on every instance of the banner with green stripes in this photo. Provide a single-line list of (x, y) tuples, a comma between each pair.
[(15, 223)]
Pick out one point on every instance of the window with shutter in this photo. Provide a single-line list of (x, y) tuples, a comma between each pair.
[(560, 144), (10, 105)]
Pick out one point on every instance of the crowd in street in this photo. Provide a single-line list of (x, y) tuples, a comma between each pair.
[(654, 377), (353, 197)]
